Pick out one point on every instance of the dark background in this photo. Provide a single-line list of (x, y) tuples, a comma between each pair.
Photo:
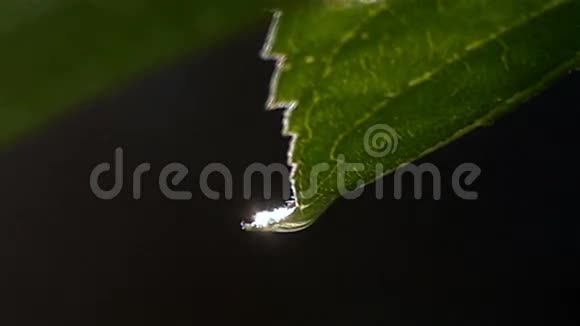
[(67, 258)]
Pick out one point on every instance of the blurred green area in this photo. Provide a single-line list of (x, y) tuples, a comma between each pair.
[(56, 53)]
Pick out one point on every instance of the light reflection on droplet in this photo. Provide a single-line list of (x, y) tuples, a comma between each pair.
[(266, 218)]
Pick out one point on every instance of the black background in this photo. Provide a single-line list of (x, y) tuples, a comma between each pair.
[(68, 258)]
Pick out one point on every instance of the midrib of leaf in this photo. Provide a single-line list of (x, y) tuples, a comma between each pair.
[(427, 75)]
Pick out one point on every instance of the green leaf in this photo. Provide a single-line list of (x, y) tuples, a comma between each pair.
[(55, 53), (425, 71)]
